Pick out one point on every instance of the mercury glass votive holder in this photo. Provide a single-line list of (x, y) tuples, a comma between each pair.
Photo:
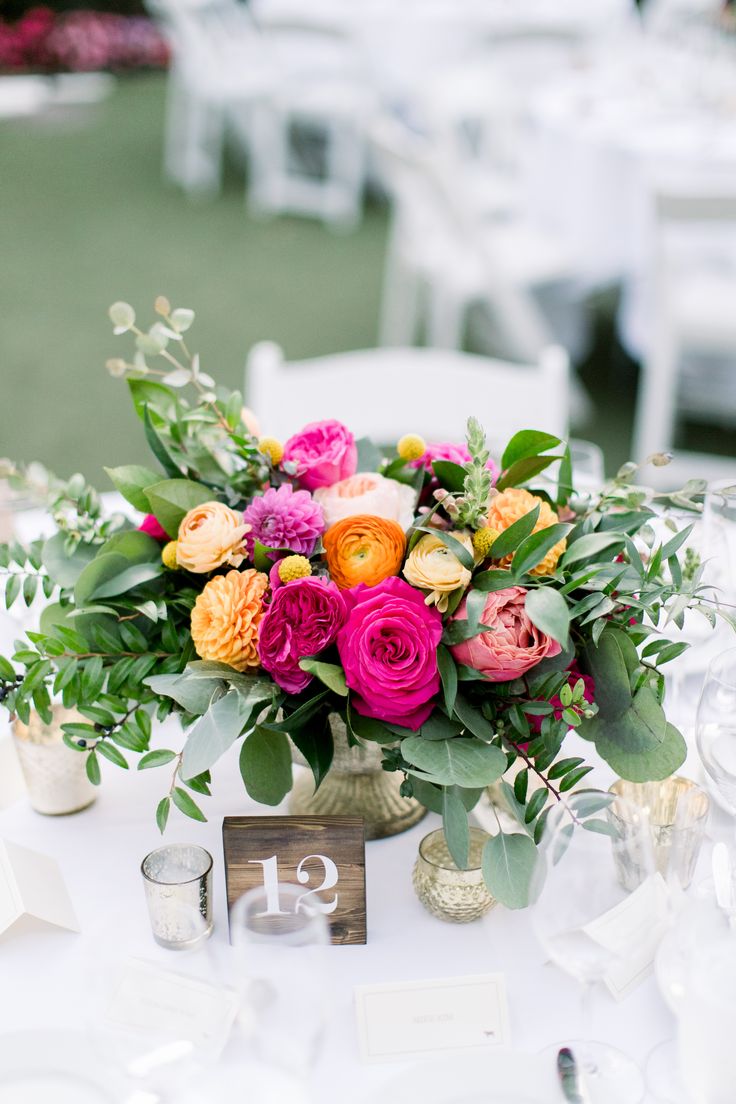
[(446, 891), (677, 813), (177, 880)]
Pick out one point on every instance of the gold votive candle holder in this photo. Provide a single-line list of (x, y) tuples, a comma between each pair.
[(448, 892), (677, 811), (177, 880), (55, 775)]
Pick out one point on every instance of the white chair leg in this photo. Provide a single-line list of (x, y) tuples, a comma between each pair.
[(445, 319), (400, 302), (656, 404)]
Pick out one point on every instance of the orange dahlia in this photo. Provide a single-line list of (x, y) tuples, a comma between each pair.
[(364, 549), (512, 504), (226, 617)]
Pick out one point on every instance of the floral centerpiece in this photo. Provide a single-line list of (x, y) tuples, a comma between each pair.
[(462, 614)]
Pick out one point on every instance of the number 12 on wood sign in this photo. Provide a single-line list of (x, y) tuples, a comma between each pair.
[(326, 855)]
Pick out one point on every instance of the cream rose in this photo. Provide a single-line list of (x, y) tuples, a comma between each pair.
[(367, 493), (209, 536), (432, 566)]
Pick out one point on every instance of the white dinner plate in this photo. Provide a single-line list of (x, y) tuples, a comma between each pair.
[(40, 1067), (501, 1078)]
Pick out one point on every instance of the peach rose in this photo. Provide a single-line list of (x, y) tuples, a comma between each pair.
[(226, 617), (513, 647), (364, 549), (209, 536), (432, 566), (510, 505), (367, 493)]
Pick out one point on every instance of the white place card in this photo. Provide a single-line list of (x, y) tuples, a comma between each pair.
[(32, 888), (461, 1015), (633, 931), (195, 1015)]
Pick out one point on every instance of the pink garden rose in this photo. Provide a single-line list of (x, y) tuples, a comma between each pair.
[(367, 493), (514, 646), (388, 648), (151, 526), (302, 620), (322, 454), (446, 450)]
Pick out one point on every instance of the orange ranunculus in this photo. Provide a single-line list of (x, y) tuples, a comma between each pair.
[(226, 617), (512, 504), (364, 549)]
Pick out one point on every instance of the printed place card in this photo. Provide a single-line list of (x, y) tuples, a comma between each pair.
[(194, 1014), (31, 887), (632, 931), (462, 1015)]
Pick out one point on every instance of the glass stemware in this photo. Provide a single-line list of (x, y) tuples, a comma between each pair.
[(715, 727), (280, 949), (585, 864)]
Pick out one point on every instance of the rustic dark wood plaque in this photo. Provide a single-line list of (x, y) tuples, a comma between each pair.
[(324, 854)]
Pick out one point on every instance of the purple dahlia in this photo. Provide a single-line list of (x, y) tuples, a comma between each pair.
[(284, 518)]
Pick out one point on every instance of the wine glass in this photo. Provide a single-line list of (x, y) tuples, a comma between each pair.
[(715, 726), (280, 942), (587, 866)]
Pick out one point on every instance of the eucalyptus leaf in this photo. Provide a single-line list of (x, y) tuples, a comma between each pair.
[(509, 864), (213, 734), (192, 694), (455, 824), (547, 609), (64, 567), (265, 765), (462, 761)]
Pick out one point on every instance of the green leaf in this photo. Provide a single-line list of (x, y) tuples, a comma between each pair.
[(536, 546), (109, 751), (213, 734), (547, 609), (521, 784), (157, 446), (156, 759), (458, 550), (564, 479), (192, 694), (158, 396), (132, 480), (265, 765), (589, 545), (12, 589), (473, 720), (448, 675), (331, 674), (492, 580), (136, 546), (524, 470), (186, 804), (35, 675), (508, 541), (526, 443), (7, 671), (570, 780), (462, 761), (162, 814), (610, 664), (455, 824), (616, 741), (65, 568), (93, 678), (316, 745), (172, 499), (509, 862), (439, 726), (370, 456), (562, 766), (92, 767), (451, 476), (367, 728), (535, 804)]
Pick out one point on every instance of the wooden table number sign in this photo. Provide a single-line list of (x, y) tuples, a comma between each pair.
[(324, 854)]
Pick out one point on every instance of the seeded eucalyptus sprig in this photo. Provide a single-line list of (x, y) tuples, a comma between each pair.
[(472, 506)]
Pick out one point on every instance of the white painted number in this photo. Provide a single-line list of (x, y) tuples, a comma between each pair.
[(271, 885)]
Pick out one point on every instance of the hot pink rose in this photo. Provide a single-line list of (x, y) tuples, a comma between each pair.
[(322, 454), (388, 648), (446, 450), (514, 646), (151, 526), (302, 620)]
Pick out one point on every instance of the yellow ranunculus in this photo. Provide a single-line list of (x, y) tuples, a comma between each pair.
[(209, 536), (432, 566)]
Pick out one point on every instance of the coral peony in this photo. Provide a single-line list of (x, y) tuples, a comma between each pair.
[(154, 528), (513, 647), (321, 454), (284, 518), (226, 618), (302, 620), (388, 648), (509, 506), (364, 549), (367, 493), (210, 536), (433, 567)]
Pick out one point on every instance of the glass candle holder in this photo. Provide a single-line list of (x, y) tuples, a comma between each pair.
[(177, 880), (446, 891), (677, 811), (55, 775)]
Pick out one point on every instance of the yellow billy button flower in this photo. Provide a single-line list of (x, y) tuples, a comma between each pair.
[(483, 541), (168, 555), (411, 447), (271, 448), (294, 567)]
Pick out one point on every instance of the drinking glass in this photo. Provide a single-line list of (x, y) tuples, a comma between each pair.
[(715, 726), (575, 886), (280, 950)]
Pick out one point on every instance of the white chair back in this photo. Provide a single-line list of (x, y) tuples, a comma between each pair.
[(385, 393)]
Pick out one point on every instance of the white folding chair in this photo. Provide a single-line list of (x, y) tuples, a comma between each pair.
[(385, 393), (694, 315)]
